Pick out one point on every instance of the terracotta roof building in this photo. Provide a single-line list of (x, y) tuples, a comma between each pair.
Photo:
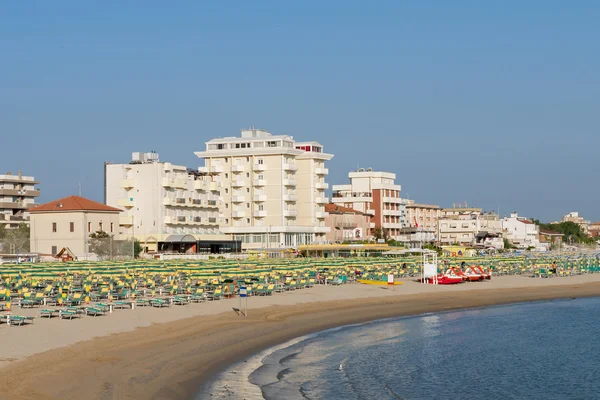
[(68, 223), (346, 224)]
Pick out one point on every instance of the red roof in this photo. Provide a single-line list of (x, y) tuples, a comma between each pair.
[(73, 203), (334, 208)]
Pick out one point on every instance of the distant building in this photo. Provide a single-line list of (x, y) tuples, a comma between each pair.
[(67, 223), (416, 237), (346, 224), (575, 218), (168, 208), (469, 226), (374, 193), (594, 229), (17, 196), (521, 232), (422, 215), (272, 188), (550, 239)]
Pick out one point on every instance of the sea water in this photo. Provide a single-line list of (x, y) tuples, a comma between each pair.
[(543, 350)]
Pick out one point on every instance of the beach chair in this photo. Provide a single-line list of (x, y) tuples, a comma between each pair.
[(94, 311), (198, 296), (178, 300), (142, 302), (269, 290), (17, 320), (74, 300), (68, 314), (48, 313), (216, 295), (159, 303)]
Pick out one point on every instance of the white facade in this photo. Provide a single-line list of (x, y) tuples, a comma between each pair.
[(17, 195), (374, 193), (469, 226), (161, 199), (520, 231), (272, 188)]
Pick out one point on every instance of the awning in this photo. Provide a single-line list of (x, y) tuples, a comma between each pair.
[(180, 239), (482, 234)]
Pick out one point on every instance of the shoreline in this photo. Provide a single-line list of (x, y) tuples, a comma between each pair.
[(175, 360)]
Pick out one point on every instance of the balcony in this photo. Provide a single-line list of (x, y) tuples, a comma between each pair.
[(203, 170), (20, 192), (321, 171), (345, 224), (321, 214), (370, 212), (126, 221), (258, 167), (290, 167), (167, 201), (395, 200), (197, 220), (237, 183), (214, 186), (211, 203), (260, 197), (238, 168), (212, 221), (290, 197), (289, 182), (238, 199), (260, 213), (238, 214), (290, 213), (128, 203), (166, 182), (322, 185), (216, 170), (200, 185), (181, 183), (259, 182), (195, 203), (392, 212), (127, 183), (17, 205), (322, 200)]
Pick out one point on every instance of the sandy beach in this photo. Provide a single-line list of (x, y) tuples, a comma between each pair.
[(168, 353)]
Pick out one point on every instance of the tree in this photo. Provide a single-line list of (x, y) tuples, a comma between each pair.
[(507, 244), (126, 248), (102, 244), (15, 240), (380, 233)]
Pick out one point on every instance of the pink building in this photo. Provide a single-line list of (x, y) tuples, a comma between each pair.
[(346, 224)]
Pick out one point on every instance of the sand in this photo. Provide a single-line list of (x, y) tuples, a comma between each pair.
[(168, 353)]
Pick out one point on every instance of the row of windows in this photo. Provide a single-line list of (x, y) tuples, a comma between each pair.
[(89, 227), (248, 145)]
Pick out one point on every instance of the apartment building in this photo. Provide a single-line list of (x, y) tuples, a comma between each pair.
[(422, 215), (374, 193), (469, 226), (579, 220), (17, 196), (520, 231), (272, 188), (167, 207), (594, 229)]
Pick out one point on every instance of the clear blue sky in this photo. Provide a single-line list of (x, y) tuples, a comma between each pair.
[(496, 104)]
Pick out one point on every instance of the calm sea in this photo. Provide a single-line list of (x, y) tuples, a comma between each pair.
[(545, 350)]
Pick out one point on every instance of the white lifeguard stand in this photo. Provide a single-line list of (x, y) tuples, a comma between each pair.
[(430, 267)]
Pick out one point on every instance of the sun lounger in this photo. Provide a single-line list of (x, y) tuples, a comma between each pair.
[(17, 320), (68, 314), (178, 300), (48, 313), (160, 303), (142, 302), (94, 311)]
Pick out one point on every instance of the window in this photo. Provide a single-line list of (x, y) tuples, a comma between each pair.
[(247, 159), (247, 174), (226, 220), (261, 176), (260, 161), (89, 227), (226, 205), (221, 146), (54, 250), (100, 225), (54, 227), (247, 205), (72, 226), (248, 220), (247, 190), (111, 227), (261, 207), (272, 144), (226, 175)]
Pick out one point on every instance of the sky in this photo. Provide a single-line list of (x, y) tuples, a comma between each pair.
[(496, 104)]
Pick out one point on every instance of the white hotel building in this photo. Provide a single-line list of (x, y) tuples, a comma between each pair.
[(165, 205), (272, 188)]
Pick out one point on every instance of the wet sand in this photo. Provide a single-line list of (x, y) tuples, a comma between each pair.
[(168, 354)]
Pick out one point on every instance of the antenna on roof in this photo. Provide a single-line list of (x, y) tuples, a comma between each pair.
[(79, 188)]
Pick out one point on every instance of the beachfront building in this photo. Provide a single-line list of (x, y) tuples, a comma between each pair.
[(550, 239), (577, 219), (594, 229), (167, 207), (346, 224), (17, 196), (414, 237), (272, 188), (374, 193), (422, 215), (469, 226), (67, 223), (520, 232)]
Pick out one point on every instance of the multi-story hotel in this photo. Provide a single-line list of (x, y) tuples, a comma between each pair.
[(422, 215), (577, 219), (166, 206), (272, 188), (17, 195), (376, 194)]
